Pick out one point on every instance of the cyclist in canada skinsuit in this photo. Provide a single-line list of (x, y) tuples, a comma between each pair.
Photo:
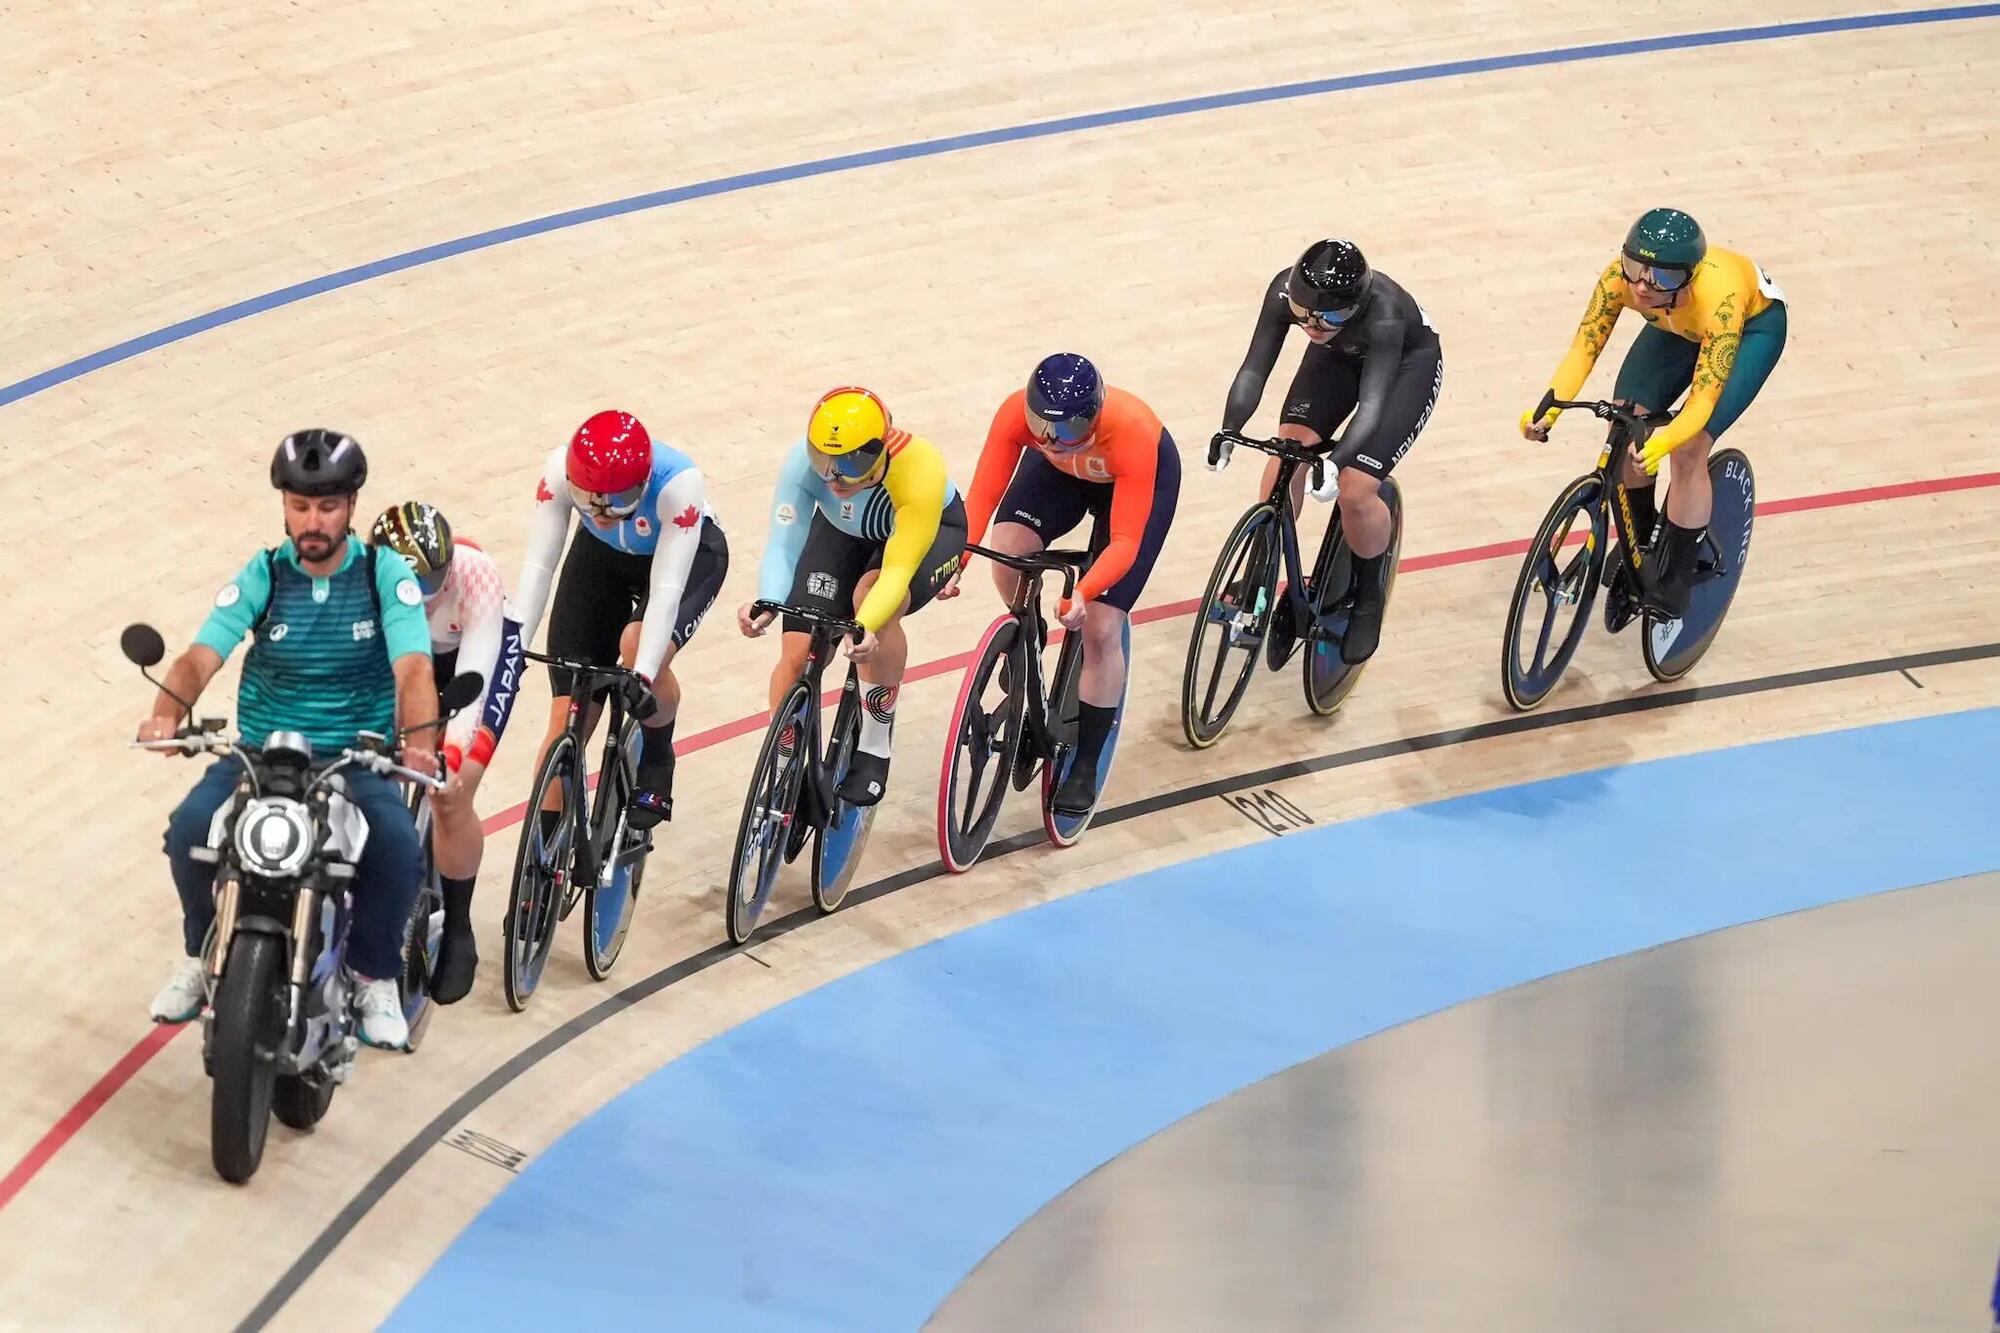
[(643, 571)]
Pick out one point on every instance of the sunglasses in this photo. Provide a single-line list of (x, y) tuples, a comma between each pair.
[(619, 504), (1660, 277), (1069, 433), (433, 582), (852, 466), (1326, 321)]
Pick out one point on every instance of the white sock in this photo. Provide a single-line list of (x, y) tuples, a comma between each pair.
[(878, 719)]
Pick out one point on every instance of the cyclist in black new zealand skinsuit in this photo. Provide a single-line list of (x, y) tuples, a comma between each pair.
[(1374, 355)]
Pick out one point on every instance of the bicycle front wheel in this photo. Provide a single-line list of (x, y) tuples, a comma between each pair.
[(1232, 619), (541, 871), (1553, 593), (985, 741), (423, 933), (769, 808)]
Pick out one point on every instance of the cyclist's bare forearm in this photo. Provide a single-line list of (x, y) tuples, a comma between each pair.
[(187, 677), (416, 694)]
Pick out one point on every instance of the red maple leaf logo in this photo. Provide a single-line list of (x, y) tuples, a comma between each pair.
[(687, 518), (542, 492)]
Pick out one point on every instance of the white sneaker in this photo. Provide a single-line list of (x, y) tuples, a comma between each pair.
[(184, 996), (380, 1006)]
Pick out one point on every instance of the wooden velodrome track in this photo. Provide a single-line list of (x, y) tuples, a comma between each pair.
[(165, 163)]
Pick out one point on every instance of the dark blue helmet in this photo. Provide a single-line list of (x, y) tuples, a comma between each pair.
[(1065, 394)]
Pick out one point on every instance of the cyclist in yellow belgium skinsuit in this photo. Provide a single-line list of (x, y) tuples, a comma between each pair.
[(864, 523), (1716, 327)]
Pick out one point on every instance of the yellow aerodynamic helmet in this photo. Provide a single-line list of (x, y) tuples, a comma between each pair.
[(847, 435)]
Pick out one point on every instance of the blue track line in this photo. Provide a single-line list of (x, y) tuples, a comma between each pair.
[(1042, 129)]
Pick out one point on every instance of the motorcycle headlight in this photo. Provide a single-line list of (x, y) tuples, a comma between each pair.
[(274, 836)]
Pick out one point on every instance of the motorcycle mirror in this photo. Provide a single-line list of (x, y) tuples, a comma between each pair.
[(465, 687), (142, 645)]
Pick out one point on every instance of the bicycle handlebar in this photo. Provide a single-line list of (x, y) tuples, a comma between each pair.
[(840, 625), (1630, 417), (1069, 564), (1276, 447), (586, 669)]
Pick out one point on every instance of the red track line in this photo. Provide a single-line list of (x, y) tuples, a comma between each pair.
[(155, 1039), (86, 1106)]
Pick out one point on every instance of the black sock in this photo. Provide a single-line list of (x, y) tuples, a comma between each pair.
[(1368, 577), (1093, 728), (458, 904), (1682, 546), (656, 750), (1645, 513)]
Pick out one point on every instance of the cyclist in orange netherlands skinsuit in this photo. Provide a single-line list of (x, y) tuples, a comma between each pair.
[(1064, 447)]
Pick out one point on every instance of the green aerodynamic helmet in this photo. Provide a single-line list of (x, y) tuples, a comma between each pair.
[(1667, 238)]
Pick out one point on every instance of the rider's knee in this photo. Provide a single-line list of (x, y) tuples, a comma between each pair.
[(1103, 627), (1357, 487), (187, 828), (792, 652), (392, 833), (1692, 457), (188, 825)]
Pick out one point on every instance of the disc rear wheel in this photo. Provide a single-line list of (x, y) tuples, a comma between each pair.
[(1671, 648), (621, 860)]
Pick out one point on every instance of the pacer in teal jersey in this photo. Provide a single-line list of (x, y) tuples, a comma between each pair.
[(338, 645)]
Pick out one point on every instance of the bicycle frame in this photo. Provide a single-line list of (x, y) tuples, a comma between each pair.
[(1026, 608), (1291, 457), (826, 631), (1624, 430), (576, 790)]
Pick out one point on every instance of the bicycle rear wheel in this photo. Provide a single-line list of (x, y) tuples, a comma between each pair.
[(985, 740), (1328, 679), (1064, 829), (1672, 647), (768, 810), (837, 844), (621, 859), (541, 872), (1233, 617), (424, 932), (1553, 585)]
